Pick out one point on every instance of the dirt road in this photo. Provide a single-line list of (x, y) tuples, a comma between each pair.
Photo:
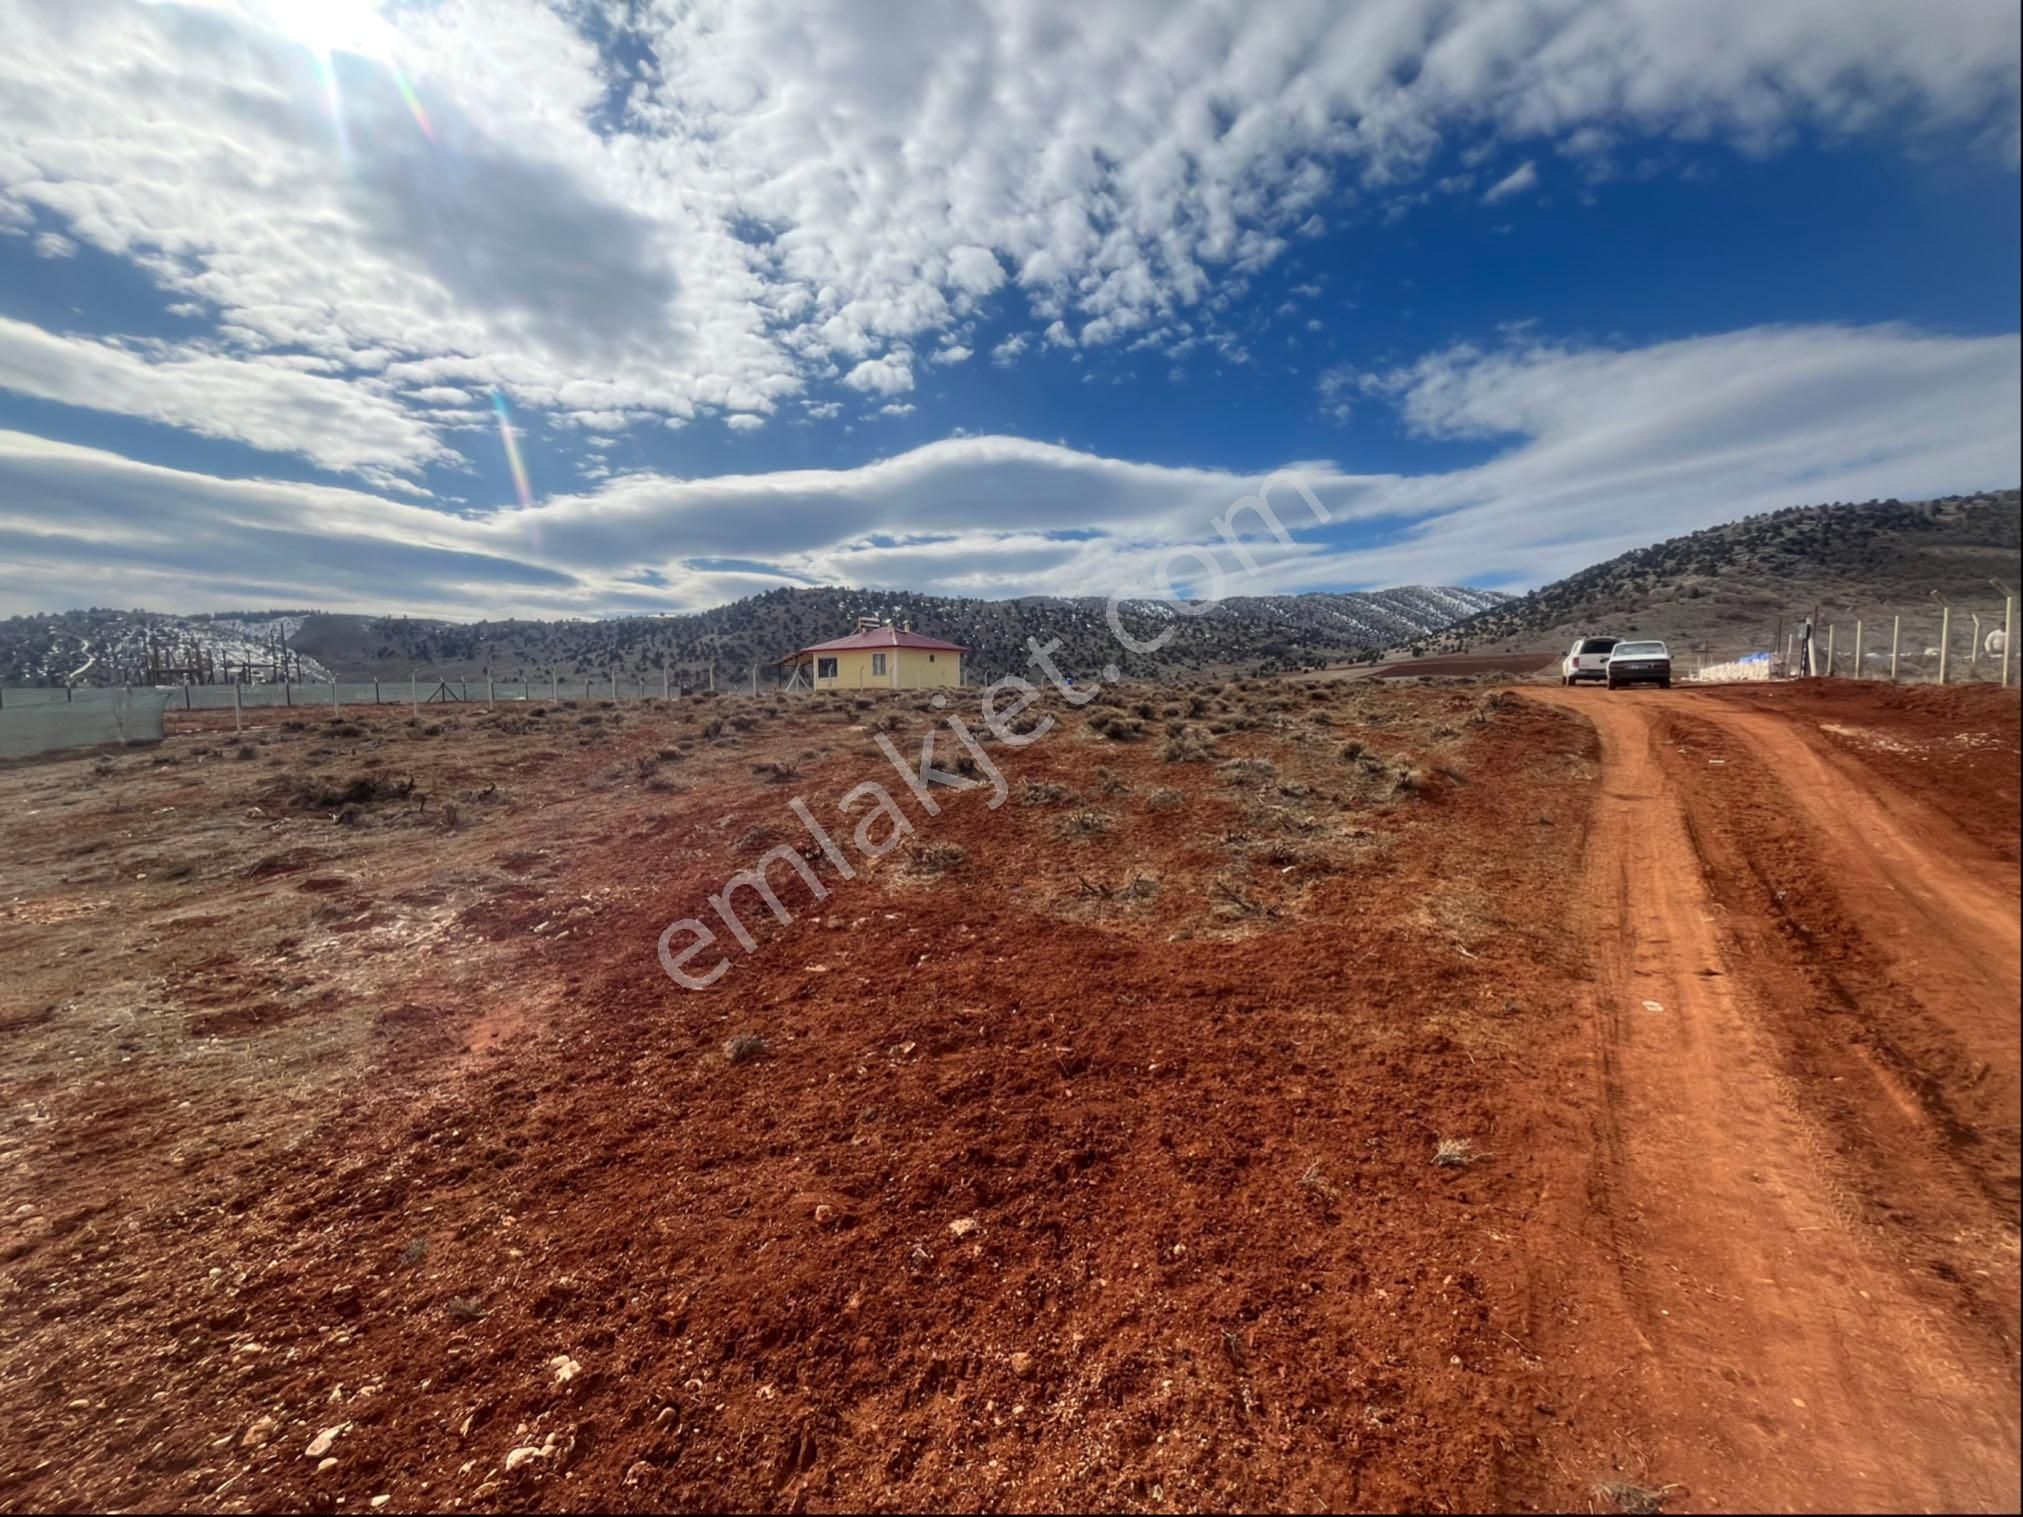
[(1804, 1163)]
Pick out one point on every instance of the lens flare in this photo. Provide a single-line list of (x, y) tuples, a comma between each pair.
[(327, 71), (413, 100), (512, 442)]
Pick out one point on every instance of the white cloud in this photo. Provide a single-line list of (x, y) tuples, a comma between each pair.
[(586, 236), (956, 354), (1335, 385), (896, 408), (270, 402), (744, 422), (890, 375), (54, 245), (1598, 449), (1518, 181), (1007, 352)]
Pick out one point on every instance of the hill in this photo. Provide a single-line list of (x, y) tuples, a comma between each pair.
[(1253, 633), (1723, 590)]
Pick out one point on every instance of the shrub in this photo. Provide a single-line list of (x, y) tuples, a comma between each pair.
[(1165, 798), (1087, 823), (743, 1048), (1249, 772), (1190, 745), (936, 858), (1042, 792)]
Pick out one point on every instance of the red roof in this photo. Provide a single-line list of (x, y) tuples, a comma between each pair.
[(881, 637)]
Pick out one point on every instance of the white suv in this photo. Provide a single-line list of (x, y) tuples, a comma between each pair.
[(1588, 659)]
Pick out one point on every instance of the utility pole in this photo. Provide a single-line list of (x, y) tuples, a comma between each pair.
[(1896, 637)]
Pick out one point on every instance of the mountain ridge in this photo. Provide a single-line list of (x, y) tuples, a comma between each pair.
[(1262, 634)]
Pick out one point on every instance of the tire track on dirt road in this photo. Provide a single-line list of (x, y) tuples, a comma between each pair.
[(1787, 1353)]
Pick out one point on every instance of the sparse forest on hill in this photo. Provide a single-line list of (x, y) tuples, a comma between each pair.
[(1727, 586), (1255, 634)]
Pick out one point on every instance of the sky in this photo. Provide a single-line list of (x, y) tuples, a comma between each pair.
[(580, 308)]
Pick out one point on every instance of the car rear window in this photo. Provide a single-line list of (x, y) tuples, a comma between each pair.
[(1597, 644), (1640, 650)]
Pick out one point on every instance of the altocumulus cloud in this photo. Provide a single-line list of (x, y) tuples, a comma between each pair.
[(1693, 432), (722, 203)]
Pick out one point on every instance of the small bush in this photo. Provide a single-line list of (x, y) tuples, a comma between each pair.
[(1087, 823), (1042, 793), (936, 858), (1118, 729), (1165, 798), (743, 1048), (1249, 772), (1190, 745)]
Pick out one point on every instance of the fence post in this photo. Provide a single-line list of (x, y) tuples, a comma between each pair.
[(491, 692), (1857, 648), (1896, 637), (1945, 639), (663, 682), (238, 726), (1830, 630), (414, 692), (614, 687), (333, 695), (2008, 634), (287, 693), (375, 690)]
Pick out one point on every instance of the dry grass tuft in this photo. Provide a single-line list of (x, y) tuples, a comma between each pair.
[(1454, 1153), (1086, 823), (1628, 1496)]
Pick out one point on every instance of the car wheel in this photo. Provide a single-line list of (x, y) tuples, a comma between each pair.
[(1612, 683), (1664, 684)]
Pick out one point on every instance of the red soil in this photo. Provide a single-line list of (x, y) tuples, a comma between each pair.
[(396, 1126)]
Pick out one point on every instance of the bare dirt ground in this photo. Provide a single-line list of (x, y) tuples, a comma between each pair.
[(356, 1146), (1803, 907)]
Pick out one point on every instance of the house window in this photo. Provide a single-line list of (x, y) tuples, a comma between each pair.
[(825, 668), (930, 658), (878, 663)]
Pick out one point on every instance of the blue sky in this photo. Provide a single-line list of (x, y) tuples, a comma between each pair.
[(983, 298)]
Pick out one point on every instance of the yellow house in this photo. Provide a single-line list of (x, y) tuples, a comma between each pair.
[(877, 656)]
